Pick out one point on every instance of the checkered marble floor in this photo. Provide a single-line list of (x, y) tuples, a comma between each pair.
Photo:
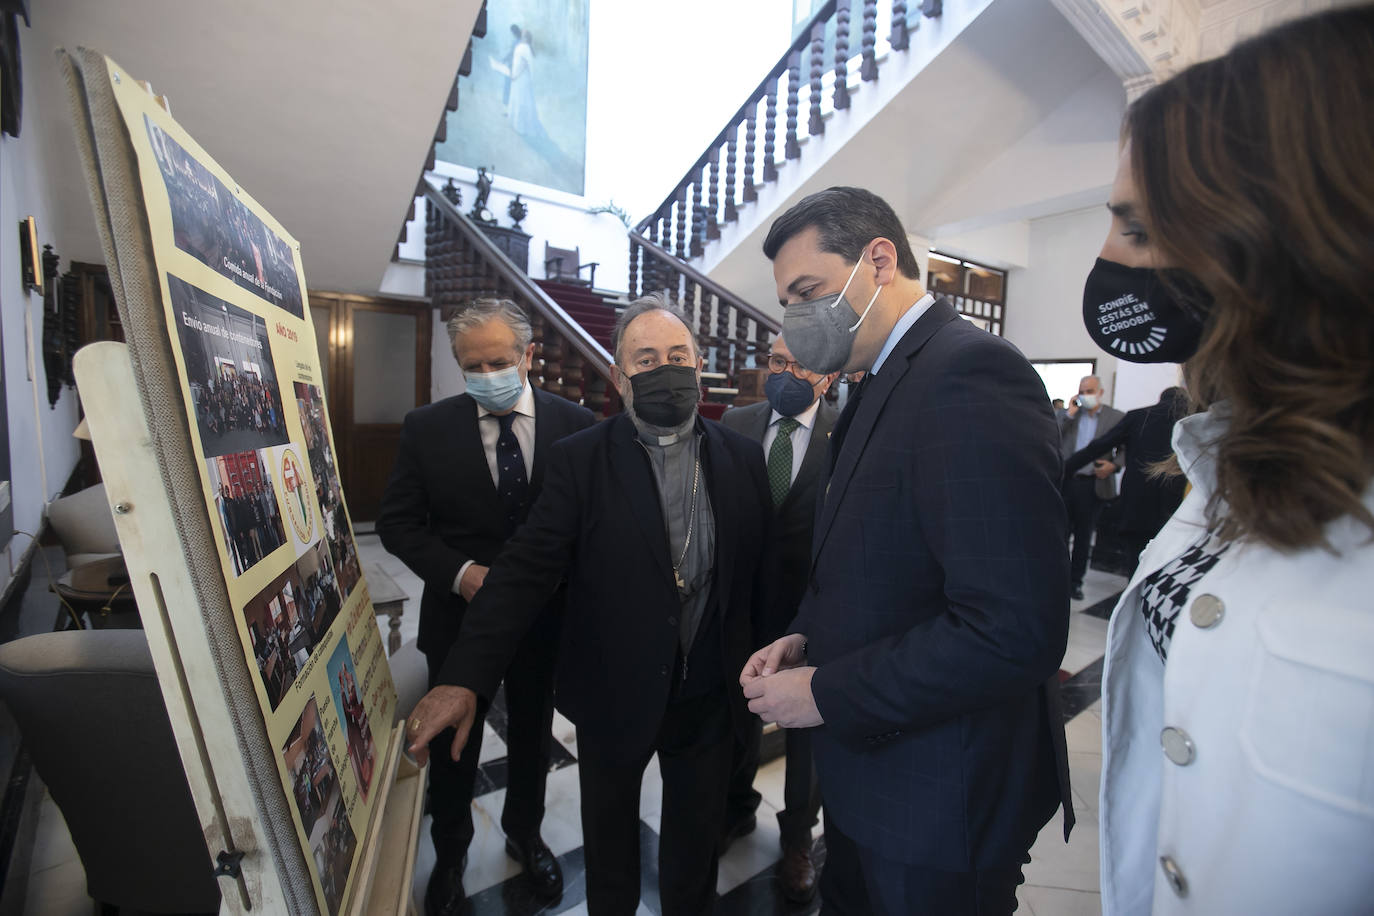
[(1062, 879)]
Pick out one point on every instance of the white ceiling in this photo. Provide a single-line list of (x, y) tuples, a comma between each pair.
[(323, 111), (992, 129)]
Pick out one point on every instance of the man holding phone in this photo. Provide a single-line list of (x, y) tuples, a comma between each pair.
[(1086, 418)]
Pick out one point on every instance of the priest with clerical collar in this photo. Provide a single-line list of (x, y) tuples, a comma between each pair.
[(655, 519)]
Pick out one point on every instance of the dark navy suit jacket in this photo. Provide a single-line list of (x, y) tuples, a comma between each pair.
[(787, 555), (937, 612)]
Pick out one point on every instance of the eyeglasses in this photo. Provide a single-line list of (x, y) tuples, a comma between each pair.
[(778, 364)]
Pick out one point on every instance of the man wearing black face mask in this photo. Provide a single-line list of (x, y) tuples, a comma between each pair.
[(657, 518), (793, 425)]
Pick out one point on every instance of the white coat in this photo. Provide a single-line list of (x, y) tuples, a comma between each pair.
[(1260, 799)]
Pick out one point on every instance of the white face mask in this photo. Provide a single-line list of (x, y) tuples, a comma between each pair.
[(496, 391), (1087, 401)]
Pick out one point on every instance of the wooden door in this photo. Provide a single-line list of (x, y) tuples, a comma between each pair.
[(374, 353)]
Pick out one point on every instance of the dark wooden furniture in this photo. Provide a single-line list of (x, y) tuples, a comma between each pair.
[(565, 266)]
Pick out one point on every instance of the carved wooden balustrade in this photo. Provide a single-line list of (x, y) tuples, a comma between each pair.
[(733, 334), (832, 55), (462, 264)]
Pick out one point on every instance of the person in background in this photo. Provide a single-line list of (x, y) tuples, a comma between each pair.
[(467, 470), (1058, 405), (1085, 490), (1148, 498), (793, 425), (1237, 696)]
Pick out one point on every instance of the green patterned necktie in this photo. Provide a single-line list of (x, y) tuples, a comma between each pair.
[(780, 460)]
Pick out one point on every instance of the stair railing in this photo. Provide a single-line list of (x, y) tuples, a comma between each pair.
[(462, 264), (733, 334), (693, 212)]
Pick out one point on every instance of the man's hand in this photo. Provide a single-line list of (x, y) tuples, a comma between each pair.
[(472, 580), (1071, 410), (778, 655), (785, 698), (1103, 468), (441, 708)]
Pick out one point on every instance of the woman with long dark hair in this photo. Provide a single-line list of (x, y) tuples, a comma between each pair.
[(1238, 692)]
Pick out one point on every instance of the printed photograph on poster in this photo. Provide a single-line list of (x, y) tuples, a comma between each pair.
[(348, 703), (333, 854), (287, 619), (229, 372), (319, 799), (326, 473), (249, 522), (216, 228)]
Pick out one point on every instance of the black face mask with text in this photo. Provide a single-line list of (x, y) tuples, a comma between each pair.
[(1135, 314), (665, 396)]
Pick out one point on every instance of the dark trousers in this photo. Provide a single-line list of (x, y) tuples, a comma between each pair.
[(529, 723), (1080, 499), (693, 745), (801, 794), (858, 881)]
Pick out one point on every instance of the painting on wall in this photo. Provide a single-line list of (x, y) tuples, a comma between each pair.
[(523, 110)]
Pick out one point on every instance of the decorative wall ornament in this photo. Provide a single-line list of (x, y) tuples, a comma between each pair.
[(479, 211), (452, 193), (518, 211), (59, 328)]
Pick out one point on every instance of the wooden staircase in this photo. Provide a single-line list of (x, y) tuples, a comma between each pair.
[(594, 312)]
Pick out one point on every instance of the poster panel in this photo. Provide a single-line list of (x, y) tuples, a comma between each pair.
[(235, 304)]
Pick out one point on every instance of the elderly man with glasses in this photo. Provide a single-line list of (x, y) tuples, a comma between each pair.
[(793, 426)]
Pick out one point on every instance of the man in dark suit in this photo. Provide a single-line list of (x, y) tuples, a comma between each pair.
[(793, 425), (467, 471), (657, 518), (1089, 487), (1147, 500), (936, 611)]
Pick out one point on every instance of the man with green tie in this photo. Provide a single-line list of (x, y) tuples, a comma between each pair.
[(793, 425)]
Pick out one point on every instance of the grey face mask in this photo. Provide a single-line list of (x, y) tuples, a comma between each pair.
[(820, 333)]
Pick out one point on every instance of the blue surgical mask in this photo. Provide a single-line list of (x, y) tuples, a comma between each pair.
[(820, 333), (788, 394), (496, 391)]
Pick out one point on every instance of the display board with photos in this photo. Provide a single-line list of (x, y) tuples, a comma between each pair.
[(234, 298)]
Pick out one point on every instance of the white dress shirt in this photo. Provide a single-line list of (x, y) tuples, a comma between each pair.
[(489, 428), (801, 436), (899, 329)]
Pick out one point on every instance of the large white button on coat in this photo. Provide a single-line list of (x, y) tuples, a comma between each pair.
[(1178, 746), (1206, 611), (1174, 875)]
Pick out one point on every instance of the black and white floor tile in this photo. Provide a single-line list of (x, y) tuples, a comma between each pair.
[(1062, 879)]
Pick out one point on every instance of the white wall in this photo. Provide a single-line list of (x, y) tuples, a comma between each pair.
[(1045, 298), (445, 379), (42, 450)]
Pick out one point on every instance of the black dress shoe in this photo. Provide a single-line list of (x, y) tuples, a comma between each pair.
[(1077, 593), (445, 896), (540, 864)]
